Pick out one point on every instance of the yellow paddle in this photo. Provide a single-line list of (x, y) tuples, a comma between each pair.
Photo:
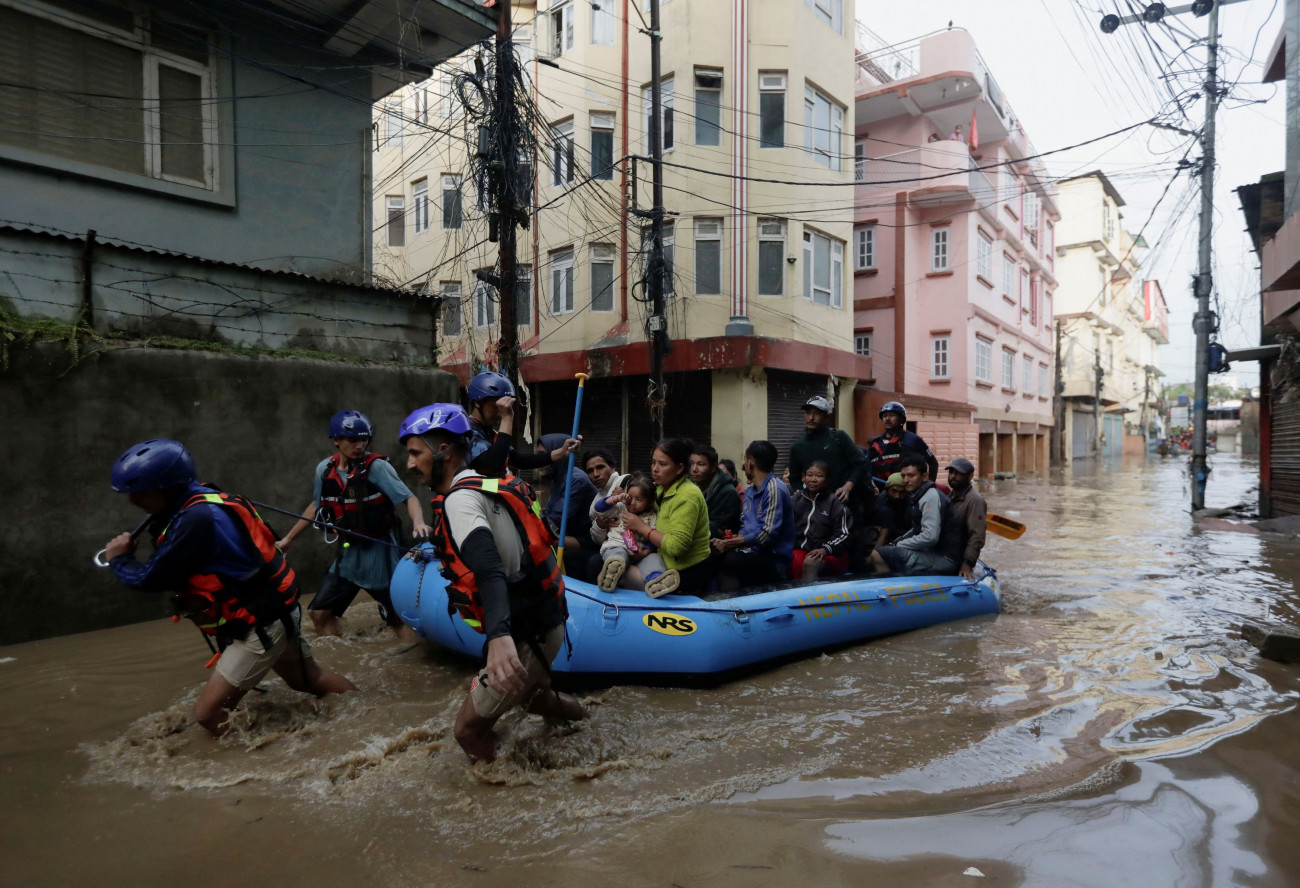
[(1005, 527)]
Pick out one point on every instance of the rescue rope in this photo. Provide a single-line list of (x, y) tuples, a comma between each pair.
[(328, 527)]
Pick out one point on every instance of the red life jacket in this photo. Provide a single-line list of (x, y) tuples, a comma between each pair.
[(227, 607), (356, 503), (538, 580)]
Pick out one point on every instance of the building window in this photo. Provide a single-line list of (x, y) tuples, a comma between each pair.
[(830, 12), (1008, 275), (422, 106), (420, 205), (823, 268), (708, 118), (1042, 380), (1033, 211), (602, 146), (666, 123), (449, 101), (771, 110), (394, 128), (1034, 287), (523, 295), (1107, 221), (562, 282), (396, 220), (983, 360), (939, 357), (1008, 369), (1024, 289), (984, 257), (451, 308), (864, 248), (1027, 374), (562, 153), (771, 257), (602, 277), (561, 28), (862, 344), (452, 211), (708, 257), (939, 249), (155, 114), (602, 22), (485, 309), (823, 128)]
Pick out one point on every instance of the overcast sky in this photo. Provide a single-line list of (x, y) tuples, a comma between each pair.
[(1068, 83)]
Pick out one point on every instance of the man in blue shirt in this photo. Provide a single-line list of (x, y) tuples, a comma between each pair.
[(357, 490), (219, 561), (760, 554)]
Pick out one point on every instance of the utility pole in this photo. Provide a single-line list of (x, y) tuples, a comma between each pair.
[(1096, 399), (507, 169), (1058, 407), (1204, 321), (658, 322)]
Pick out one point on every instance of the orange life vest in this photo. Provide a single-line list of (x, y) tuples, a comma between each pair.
[(539, 579), (224, 606), (356, 503)]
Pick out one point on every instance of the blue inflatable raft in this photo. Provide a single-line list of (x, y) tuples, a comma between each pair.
[(625, 636)]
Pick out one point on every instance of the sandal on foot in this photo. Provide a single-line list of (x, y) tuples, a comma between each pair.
[(662, 584), (610, 573)]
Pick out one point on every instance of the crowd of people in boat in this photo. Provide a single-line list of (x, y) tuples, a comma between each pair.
[(690, 523), (684, 524)]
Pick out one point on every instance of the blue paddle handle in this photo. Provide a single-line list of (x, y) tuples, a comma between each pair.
[(568, 474)]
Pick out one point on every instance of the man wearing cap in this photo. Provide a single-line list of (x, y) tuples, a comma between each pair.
[(821, 443), (969, 510), (885, 452)]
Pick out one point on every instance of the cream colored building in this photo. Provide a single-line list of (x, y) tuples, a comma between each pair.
[(758, 186), (1111, 323)]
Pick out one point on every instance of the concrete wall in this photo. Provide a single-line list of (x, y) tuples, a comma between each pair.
[(146, 294), (255, 425)]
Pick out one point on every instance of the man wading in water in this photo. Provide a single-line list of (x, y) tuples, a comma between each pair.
[(219, 560), (502, 577)]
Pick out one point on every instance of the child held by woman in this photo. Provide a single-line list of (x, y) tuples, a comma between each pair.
[(628, 558)]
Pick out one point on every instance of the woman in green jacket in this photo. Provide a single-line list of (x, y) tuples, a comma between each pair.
[(682, 529)]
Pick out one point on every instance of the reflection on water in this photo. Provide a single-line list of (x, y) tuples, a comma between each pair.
[(1057, 721)]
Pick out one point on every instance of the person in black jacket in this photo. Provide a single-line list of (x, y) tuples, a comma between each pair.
[(885, 452), (719, 491)]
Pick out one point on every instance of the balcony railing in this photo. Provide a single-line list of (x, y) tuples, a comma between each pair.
[(897, 172)]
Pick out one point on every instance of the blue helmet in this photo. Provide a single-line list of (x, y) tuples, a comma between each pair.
[(349, 424), (450, 418), (153, 465), (490, 385), (894, 407)]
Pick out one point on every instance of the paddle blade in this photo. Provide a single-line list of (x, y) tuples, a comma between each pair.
[(1005, 527)]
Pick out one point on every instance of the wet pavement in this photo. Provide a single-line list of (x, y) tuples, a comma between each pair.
[(1110, 728)]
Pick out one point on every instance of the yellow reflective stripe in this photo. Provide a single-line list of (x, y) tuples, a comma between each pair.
[(213, 498), (473, 624), (491, 485)]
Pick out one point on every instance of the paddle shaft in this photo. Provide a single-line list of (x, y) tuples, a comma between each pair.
[(99, 556), (568, 474)]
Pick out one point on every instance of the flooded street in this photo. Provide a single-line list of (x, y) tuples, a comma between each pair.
[(1110, 728)]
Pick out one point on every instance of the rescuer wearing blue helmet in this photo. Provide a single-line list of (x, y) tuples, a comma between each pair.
[(357, 490), (487, 529), (218, 558), (491, 405), (885, 452)]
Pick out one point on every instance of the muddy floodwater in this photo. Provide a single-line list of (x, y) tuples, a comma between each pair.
[(1110, 728)]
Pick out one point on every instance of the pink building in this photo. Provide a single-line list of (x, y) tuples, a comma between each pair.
[(953, 254)]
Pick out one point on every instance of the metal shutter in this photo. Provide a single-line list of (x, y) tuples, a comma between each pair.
[(1082, 434), (689, 414), (786, 394), (1284, 464)]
